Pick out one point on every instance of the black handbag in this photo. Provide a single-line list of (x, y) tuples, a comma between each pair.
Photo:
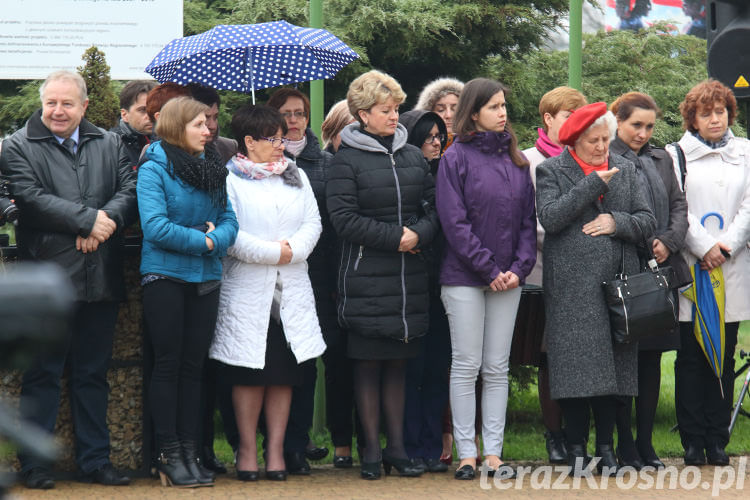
[(641, 305)]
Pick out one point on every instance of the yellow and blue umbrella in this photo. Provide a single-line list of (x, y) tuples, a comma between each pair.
[(707, 294)]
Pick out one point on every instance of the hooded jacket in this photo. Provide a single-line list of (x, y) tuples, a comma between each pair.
[(486, 207), (372, 193), (718, 181), (434, 90), (59, 193)]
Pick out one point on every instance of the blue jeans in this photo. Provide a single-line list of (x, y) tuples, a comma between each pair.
[(88, 347)]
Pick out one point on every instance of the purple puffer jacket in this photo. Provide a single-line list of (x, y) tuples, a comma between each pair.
[(486, 208)]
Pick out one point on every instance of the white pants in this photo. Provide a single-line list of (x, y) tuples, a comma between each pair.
[(481, 323)]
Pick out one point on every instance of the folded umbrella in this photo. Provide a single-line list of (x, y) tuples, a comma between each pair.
[(708, 297)]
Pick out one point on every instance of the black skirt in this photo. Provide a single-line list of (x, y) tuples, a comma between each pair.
[(281, 366), (376, 348)]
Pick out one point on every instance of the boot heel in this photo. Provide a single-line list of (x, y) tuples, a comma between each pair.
[(387, 468), (164, 479)]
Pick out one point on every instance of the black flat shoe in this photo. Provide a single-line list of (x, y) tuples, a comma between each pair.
[(716, 455), (106, 475), (212, 463), (296, 464), (38, 478), (276, 475), (465, 472), (406, 467), (556, 447), (631, 459), (694, 455), (343, 462), (370, 470), (316, 453), (435, 465), (649, 457), (248, 475), (503, 471)]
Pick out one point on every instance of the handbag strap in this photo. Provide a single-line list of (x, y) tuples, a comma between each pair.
[(681, 162)]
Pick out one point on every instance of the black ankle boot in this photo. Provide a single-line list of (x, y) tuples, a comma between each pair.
[(607, 459), (171, 466), (556, 448), (189, 452), (578, 459)]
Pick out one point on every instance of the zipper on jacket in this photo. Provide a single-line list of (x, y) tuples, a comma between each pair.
[(403, 261), (342, 291), (359, 257)]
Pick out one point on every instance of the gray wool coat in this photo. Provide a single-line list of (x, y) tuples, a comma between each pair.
[(582, 359)]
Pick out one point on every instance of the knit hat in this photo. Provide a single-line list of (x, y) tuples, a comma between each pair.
[(579, 121)]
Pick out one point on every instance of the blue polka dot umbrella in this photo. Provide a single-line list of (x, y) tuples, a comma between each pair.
[(252, 56)]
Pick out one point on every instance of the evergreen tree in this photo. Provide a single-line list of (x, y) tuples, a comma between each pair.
[(104, 107), (650, 61)]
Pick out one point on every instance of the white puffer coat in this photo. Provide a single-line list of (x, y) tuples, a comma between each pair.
[(268, 210), (718, 180)]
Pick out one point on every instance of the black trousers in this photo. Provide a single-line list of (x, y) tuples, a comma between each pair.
[(181, 326), (703, 415), (301, 410), (576, 412), (88, 349), (339, 388), (427, 380)]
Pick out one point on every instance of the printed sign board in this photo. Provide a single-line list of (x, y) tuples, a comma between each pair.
[(41, 36)]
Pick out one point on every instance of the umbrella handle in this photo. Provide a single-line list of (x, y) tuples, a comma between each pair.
[(713, 214)]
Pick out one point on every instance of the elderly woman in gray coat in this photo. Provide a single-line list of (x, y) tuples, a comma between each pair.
[(592, 209)]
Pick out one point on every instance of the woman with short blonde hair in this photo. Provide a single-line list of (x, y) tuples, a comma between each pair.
[(380, 196)]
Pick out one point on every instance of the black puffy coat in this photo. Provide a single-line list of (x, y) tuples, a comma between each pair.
[(372, 194), (59, 194), (321, 262)]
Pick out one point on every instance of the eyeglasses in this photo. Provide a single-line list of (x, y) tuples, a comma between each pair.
[(276, 141), (430, 138), (297, 114)]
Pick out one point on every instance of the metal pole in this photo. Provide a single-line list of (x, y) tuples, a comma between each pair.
[(575, 60), (316, 119), (316, 87)]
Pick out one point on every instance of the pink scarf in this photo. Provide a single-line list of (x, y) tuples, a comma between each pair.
[(245, 167), (545, 146)]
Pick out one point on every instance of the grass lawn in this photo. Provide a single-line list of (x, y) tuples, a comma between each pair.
[(524, 432)]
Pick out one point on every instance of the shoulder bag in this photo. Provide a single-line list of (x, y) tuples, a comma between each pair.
[(641, 305)]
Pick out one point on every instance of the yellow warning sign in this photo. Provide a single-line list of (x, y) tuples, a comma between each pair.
[(741, 82)]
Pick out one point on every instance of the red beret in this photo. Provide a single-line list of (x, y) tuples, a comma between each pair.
[(579, 121)]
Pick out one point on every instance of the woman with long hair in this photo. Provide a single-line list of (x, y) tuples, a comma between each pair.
[(636, 115), (485, 200)]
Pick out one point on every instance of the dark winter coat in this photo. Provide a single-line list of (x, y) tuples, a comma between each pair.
[(433, 253), (59, 194), (582, 358), (673, 236), (322, 261), (372, 194), (133, 141)]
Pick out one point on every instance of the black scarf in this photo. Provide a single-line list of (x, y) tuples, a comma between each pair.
[(207, 174)]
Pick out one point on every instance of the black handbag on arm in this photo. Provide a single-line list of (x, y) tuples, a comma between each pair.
[(641, 305)]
